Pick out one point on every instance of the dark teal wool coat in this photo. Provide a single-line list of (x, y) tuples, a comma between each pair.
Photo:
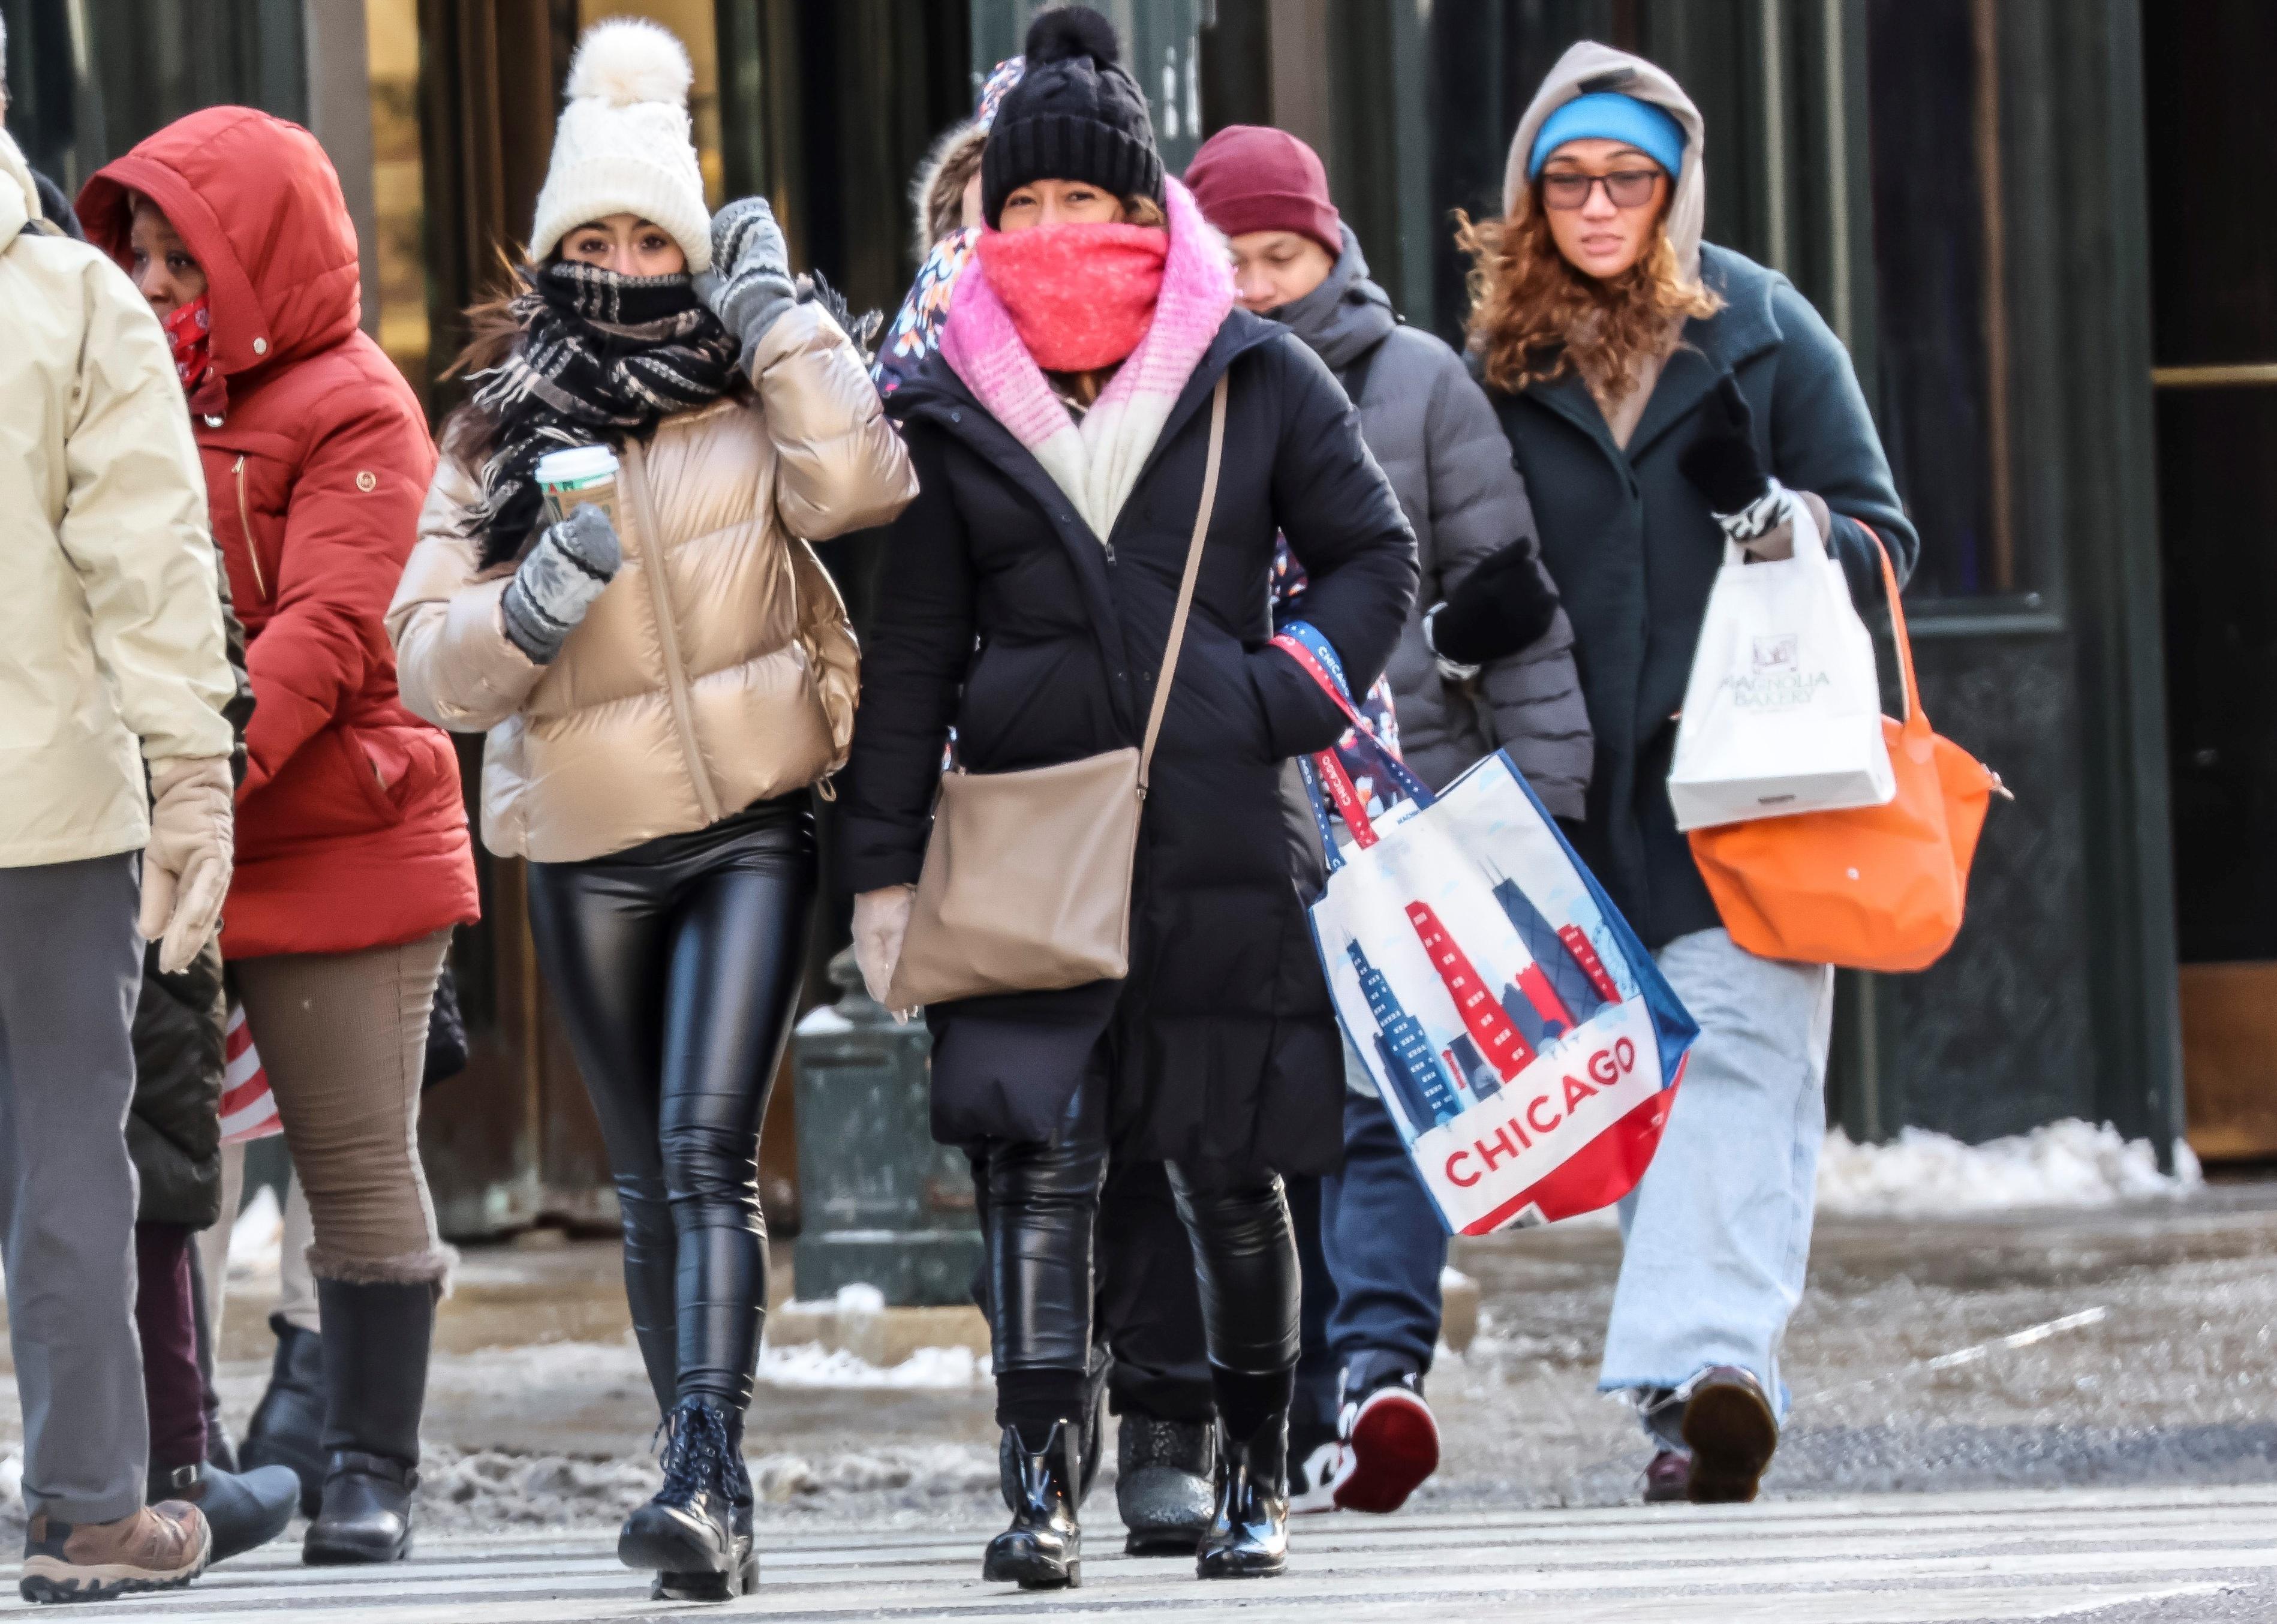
[(1634, 549)]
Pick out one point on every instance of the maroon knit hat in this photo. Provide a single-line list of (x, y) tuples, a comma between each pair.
[(1248, 179)]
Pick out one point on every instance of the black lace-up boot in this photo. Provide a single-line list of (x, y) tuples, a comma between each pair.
[(1043, 1549), (1248, 1538), (695, 1534)]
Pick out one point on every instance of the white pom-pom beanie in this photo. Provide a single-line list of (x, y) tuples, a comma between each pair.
[(622, 146)]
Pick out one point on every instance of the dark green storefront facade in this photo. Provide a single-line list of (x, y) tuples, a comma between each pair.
[(1966, 188)]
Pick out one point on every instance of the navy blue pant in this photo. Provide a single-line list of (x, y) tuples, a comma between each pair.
[(1371, 1245)]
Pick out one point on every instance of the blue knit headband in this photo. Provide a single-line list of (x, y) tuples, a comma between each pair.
[(1610, 116)]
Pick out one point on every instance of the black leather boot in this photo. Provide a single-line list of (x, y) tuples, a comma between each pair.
[(221, 1451), (1043, 1549), (287, 1429), (366, 1514), (1248, 1538), (244, 1510), (695, 1534), (1094, 1443), (1164, 1485), (376, 1337)]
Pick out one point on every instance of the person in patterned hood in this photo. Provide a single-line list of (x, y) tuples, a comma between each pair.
[(947, 193)]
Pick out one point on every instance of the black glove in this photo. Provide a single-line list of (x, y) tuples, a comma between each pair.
[(1505, 606), (1721, 460)]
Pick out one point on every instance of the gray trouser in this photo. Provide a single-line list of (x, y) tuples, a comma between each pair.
[(70, 967)]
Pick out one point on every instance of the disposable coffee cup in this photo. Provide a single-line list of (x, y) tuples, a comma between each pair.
[(576, 474)]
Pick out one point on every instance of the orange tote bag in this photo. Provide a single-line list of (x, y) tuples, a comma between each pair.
[(1872, 887)]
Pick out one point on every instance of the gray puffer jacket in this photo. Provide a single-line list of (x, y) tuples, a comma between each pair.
[(1436, 438)]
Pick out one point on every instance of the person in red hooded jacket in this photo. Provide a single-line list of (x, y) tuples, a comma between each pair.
[(352, 856)]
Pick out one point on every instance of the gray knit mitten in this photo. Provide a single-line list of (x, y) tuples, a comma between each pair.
[(558, 581), (750, 282)]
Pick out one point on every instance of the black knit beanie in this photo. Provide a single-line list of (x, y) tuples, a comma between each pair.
[(1075, 115)]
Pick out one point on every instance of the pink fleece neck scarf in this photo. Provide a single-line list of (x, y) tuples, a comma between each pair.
[(1080, 296), (1098, 461)]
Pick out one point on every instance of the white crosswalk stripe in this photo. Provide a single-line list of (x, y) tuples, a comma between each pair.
[(1899, 1560)]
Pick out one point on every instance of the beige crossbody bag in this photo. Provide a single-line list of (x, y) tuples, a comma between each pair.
[(1026, 884)]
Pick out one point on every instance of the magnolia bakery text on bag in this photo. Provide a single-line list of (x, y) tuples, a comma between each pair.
[(1782, 713), (1525, 1041)]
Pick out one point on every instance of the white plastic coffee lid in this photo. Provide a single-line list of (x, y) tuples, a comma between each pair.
[(575, 464)]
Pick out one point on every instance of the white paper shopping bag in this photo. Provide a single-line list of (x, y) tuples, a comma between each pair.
[(1782, 713)]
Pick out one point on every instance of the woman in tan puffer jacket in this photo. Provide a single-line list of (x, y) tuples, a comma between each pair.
[(660, 692)]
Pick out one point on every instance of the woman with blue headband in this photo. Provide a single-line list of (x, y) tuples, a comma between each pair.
[(1662, 397)]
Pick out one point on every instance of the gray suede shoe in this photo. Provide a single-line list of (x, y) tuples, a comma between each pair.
[(1162, 1483)]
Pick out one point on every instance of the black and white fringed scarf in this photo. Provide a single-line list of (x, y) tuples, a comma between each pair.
[(600, 356)]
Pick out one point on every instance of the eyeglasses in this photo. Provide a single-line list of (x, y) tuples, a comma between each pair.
[(1625, 188)]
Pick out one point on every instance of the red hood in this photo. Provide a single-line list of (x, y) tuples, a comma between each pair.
[(259, 206)]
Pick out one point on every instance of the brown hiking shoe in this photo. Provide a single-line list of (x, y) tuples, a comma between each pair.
[(1733, 1432), (161, 1547)]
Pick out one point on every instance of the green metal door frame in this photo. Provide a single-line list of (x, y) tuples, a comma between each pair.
[(2080, 436)]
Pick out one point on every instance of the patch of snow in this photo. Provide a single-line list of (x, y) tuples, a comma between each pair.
[(809, 1364), (2068, 1164), (491, 1488), (523, 1367), (858, 1298), (256, 1240), (1922, 1175)]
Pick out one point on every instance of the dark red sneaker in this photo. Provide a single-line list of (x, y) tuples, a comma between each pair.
[(1733, 1432), (1391, 1444), (1668, 1478)]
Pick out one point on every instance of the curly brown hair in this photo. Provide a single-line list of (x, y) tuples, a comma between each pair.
[(1535, 317)]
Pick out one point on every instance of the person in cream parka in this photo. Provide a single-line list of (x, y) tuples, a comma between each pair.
[(661, 694)]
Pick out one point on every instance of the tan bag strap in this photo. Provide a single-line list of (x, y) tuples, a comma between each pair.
[(1186, 586)]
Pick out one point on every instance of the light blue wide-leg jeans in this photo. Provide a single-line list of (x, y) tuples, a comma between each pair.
[(1717, 1235)]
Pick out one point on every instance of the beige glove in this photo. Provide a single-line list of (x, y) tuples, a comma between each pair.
[(186, 867), (881, 918)]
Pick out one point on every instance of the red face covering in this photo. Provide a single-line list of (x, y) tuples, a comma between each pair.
[(189, 331), (1080, 296)]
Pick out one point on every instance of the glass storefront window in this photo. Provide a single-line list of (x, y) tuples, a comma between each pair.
[(1933, 79), (1162, 51)]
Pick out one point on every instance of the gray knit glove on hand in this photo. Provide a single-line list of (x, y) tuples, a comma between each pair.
[(558, 581), (750, 282)]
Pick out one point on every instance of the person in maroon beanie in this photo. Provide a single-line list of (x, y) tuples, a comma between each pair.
[(1361, 1436)]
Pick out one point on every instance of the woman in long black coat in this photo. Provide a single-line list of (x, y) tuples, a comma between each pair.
[(1026, 599)]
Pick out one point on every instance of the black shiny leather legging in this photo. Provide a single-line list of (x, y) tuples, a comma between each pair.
[(676, 965), (1041, 1212)]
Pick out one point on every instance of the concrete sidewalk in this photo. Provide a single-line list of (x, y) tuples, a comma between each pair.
[(2113, 1347), (2164, 1556)]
